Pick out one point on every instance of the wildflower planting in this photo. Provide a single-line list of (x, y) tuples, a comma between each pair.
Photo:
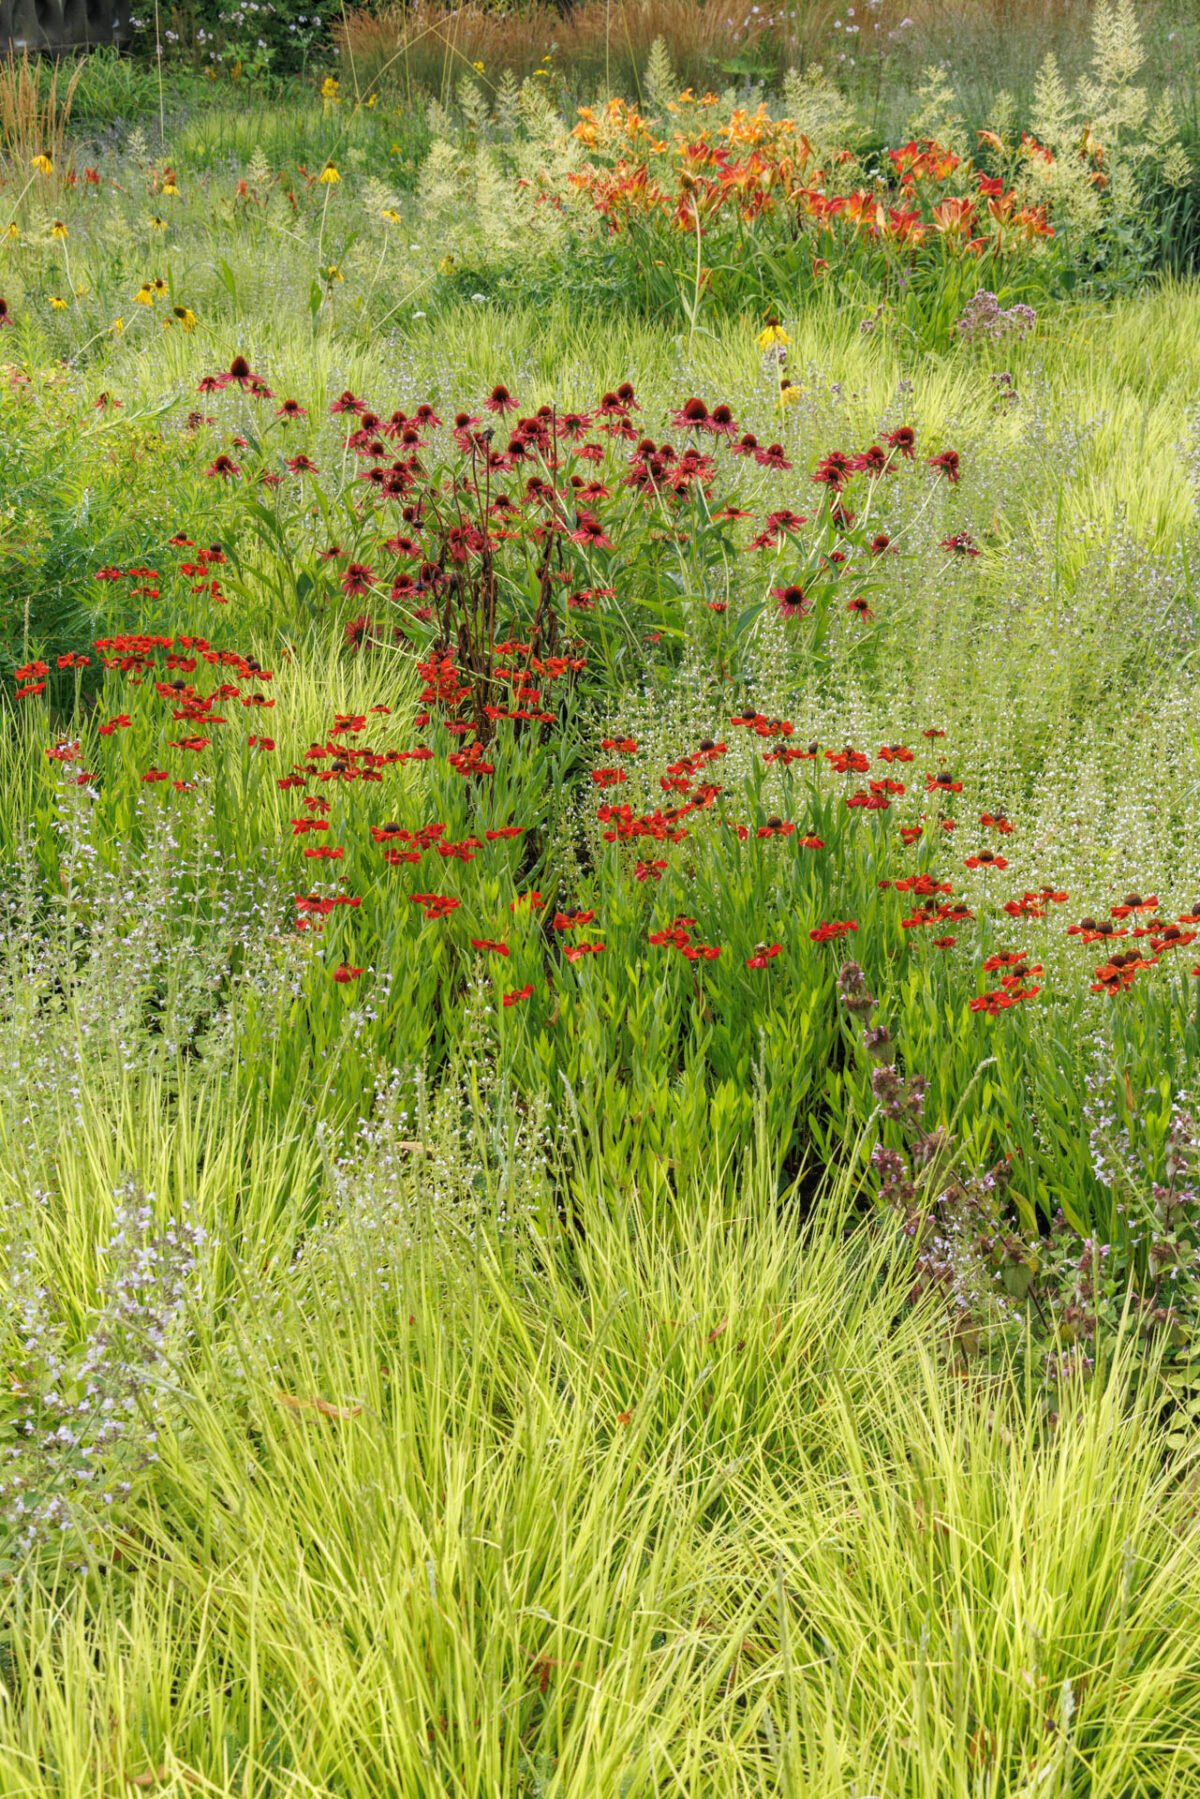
[(600, 955)]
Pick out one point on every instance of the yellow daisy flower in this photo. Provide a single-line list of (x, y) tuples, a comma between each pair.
[(58, 229), (58, 304), (329, 175), (43, 164)]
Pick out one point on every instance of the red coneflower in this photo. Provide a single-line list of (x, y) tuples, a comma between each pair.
[(691, 415), (772, 457), (512, 999), (872, 462), (590, 531), (792, 601), (238, 374), (346, 973), (904, 439), (860, 607), (947, 462), (834, 471), (961, 544), (291, 409), (224, 467), (500, 400), (357, 580)]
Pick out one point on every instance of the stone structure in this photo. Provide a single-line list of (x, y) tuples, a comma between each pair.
[(45, 26)]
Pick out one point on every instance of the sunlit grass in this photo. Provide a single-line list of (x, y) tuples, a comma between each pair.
[(678, 1503)]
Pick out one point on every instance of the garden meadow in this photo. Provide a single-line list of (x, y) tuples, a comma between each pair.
[(600, 945)]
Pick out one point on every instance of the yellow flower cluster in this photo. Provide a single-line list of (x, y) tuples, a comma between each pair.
[(148, 293)]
